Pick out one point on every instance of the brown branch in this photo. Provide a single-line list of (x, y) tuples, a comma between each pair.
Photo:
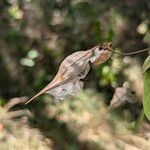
[(18, 113), (14, 101)]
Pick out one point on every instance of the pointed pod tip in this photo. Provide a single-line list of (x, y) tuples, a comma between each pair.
[(28, 101)]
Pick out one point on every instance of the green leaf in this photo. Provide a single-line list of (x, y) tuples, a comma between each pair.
[(146, 97), (146, 64), (2, 101), (139, 121)]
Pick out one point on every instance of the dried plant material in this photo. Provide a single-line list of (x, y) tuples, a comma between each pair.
[(16, 135), (14, 101), (18, 113), (74, 69), (69, 88), (134, 140), (85, 116), (121, 95), (7, 114)]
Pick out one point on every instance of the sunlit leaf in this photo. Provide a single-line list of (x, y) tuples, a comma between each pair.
[(142, 28), (27, 62), (32, 54), (147, 37), (146, 97), (146, 64), (15, 12)]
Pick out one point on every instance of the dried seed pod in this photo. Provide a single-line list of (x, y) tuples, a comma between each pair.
[(73, 69)]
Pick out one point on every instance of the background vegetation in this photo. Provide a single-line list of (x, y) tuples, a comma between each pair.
[(35, 36)]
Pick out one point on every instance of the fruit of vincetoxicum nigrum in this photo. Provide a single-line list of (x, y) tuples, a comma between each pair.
[(73, 69)]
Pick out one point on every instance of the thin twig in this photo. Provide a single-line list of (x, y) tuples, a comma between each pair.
[(130, 53)]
